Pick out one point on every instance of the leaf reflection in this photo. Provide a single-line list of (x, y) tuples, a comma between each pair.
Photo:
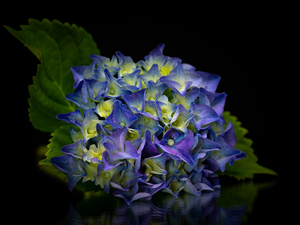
[(228, 205)]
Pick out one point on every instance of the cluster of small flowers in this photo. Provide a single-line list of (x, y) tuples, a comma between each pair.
[(154, 125)]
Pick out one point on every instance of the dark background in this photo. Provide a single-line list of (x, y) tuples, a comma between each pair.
[(239, 42)]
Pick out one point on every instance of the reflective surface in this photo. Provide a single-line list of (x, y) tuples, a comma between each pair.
[(163, 209), (187, 209), (233, 203)]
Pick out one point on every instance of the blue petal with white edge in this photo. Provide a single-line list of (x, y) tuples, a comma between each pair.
[(97, 89), (226, 154), (181, 119), (195, 77), (126, 64), (152, 75), (105, 63), (178, 144), (71, 117), (89, 125), (84, 72), (120, 117), (150, 110), (130, 81), (81, 97), (158, 51), (114, 89), (201, 146), (209, 81), (203, 115), (215, 100), (76, 149), (154, 91), (176, 80), (70, 165), (144, 123), (135, 101), (186, 101)]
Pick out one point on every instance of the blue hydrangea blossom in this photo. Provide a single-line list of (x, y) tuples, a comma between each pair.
[(155, 125)]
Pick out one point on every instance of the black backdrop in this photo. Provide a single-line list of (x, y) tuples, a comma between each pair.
[(239, 45)]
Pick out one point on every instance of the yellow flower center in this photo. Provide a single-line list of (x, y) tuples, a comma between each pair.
[(171, 142), (112, 91), (147, 120), (165, 71), (106, 175)]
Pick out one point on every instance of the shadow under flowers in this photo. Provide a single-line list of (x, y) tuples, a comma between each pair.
[(228, 205)]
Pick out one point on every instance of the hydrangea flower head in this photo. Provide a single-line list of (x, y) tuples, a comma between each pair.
[(155, 125)]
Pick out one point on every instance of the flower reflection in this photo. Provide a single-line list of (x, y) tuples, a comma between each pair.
[(162, 209)]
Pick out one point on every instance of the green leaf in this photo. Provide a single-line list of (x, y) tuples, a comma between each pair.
[(61, 137), (59, 47), (247, 167)]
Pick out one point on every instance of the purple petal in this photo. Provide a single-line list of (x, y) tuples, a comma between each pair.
[(110, 148), (70, 117), (97, 89), (76, 149), (209, 81), (195, 77), (113, 83), (149, 149), (218, 103), (77, 72), (203, 115), (69, 164), (152, 74), (120, 117), (158, 51), (130, 152), (181, 148), (135, 100), (226, 154), (176, 80), (211, 164), (108, 164), (229, 135), (81, 97), (72, 180)]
